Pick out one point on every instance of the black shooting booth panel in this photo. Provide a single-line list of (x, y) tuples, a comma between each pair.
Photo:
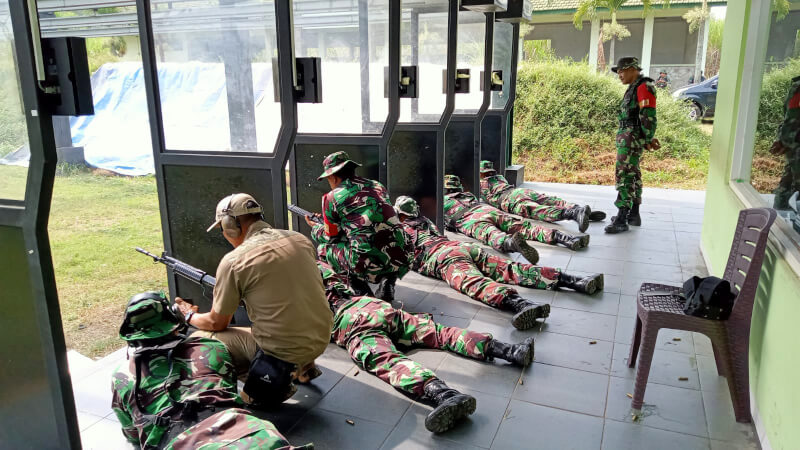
[(412, 168), (493, 139), (191, 205), (306, 166)]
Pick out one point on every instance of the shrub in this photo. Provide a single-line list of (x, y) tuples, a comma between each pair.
[(774, 89)]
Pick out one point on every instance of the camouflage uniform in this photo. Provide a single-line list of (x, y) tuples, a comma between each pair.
[(232, 428), (789, 136), (463, 213), (637, 127), (361, 234), (469, 269), (369, 328), (498, 192)]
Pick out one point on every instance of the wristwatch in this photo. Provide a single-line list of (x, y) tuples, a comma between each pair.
[(188, 317)]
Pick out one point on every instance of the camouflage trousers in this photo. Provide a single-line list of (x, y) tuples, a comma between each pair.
[(369, 267), (369, 328), (627, 172), (478, 274), (493, 227), (533, 205), (790, 180)]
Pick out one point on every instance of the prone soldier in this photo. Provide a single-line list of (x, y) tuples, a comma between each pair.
[(172, 382), (787, 142), (500, 230), (369, 328), (360, 233), (498, 192), (478, 274)]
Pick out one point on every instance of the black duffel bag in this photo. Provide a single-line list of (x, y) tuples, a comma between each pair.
[(709, 297)]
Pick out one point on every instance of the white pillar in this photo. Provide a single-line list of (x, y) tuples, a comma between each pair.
[(706, 28), (594, 41), (647, 44)]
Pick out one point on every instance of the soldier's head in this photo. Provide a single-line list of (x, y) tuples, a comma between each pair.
[(406, 207), (235, 214), (452, 184), (627, 69), (338, 167), (487, 169), (150, 320)]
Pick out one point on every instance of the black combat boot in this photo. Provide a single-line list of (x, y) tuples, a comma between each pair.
[(385, 289), (526, 311), (518, 244), (633, 217), (360, 287), (579, 214), (450, 406), (520, 354), (585, 285), (597, 216), (570, 241), (619, 222)]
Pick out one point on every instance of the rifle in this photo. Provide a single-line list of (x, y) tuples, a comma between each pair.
[(186, 271), (302, 212)]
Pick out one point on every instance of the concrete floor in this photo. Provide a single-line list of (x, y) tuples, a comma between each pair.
[(575, 394)]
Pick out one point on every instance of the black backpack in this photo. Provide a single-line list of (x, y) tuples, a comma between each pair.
[(708, 297)]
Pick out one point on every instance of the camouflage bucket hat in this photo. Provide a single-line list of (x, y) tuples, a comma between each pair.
[(406, 205), (487, 167), (149, 316), (334, 163), (625, 63), (452, 182)]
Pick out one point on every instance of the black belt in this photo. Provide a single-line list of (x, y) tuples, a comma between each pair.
[(629, 123)]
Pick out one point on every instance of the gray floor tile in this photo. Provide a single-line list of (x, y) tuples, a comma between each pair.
[(612, 283), (574, 352), (478, 429), (725, 445), (608, 240), (665, 407), (702, 344), (721, 421), (85, 420), (651, 223), (653, 271), (666, 337), (631, 285), (710, 380), (362, 395), (601, 302), (689, 227), (104, 435), (413, 438), (595, 265), (627, 306), (492, 377), (687, 218), (559, 387), (330, 430), (627, 436), (93, 394), (666, 368), (597, 251), (446, 301), (533, 426), (498, 324), (581, 324), (653, 257)]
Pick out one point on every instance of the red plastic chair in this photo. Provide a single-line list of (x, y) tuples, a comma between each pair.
[(730, 338)]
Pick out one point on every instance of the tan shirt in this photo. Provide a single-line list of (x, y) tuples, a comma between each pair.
[(275, 273)]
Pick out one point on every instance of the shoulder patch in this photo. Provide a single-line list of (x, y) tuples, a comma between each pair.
[(645, 96)]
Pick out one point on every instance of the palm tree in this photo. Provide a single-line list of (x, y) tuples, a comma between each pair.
[(611, 31), (696, 18)]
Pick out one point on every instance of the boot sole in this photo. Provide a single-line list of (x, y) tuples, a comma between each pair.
[(449, 415), (591, 287), (584, 224), (597, 216), (615, 231), (526, 319), (584, 241), (528, 252), (529, 356), (600, 280)]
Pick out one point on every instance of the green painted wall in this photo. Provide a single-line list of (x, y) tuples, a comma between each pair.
[(774, 361)]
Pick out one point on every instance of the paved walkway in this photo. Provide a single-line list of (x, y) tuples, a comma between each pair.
[(575, 394)]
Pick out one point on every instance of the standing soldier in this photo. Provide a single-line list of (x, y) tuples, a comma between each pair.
[(498, 192), (478, 274), (637, 128), (369, 328), (497, 229), (787, 142), (171, 382), (360, 234)]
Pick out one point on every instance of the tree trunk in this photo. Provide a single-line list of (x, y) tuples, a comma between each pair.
[(611, 59), (698, 56)]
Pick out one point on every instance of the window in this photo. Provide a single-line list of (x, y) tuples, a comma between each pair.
[(14, 151), (471, 45)]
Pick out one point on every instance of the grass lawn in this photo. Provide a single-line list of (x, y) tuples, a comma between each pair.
[(12, 182), (95, 222)]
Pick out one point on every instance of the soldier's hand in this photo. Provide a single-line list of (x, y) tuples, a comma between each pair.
[(309, 221), (777, 148), (655, 144), (185, 306)]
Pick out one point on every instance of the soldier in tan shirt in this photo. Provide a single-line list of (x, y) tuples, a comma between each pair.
[(274, 272)]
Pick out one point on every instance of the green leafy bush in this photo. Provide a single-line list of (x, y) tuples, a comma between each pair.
[(774, 89)]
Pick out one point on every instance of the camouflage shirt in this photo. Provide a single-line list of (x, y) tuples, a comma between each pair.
[(789, 130), (232, 428), (425, 237), (202, 372), (359, 211), (638, 109), (457, 204), (493, 188)]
